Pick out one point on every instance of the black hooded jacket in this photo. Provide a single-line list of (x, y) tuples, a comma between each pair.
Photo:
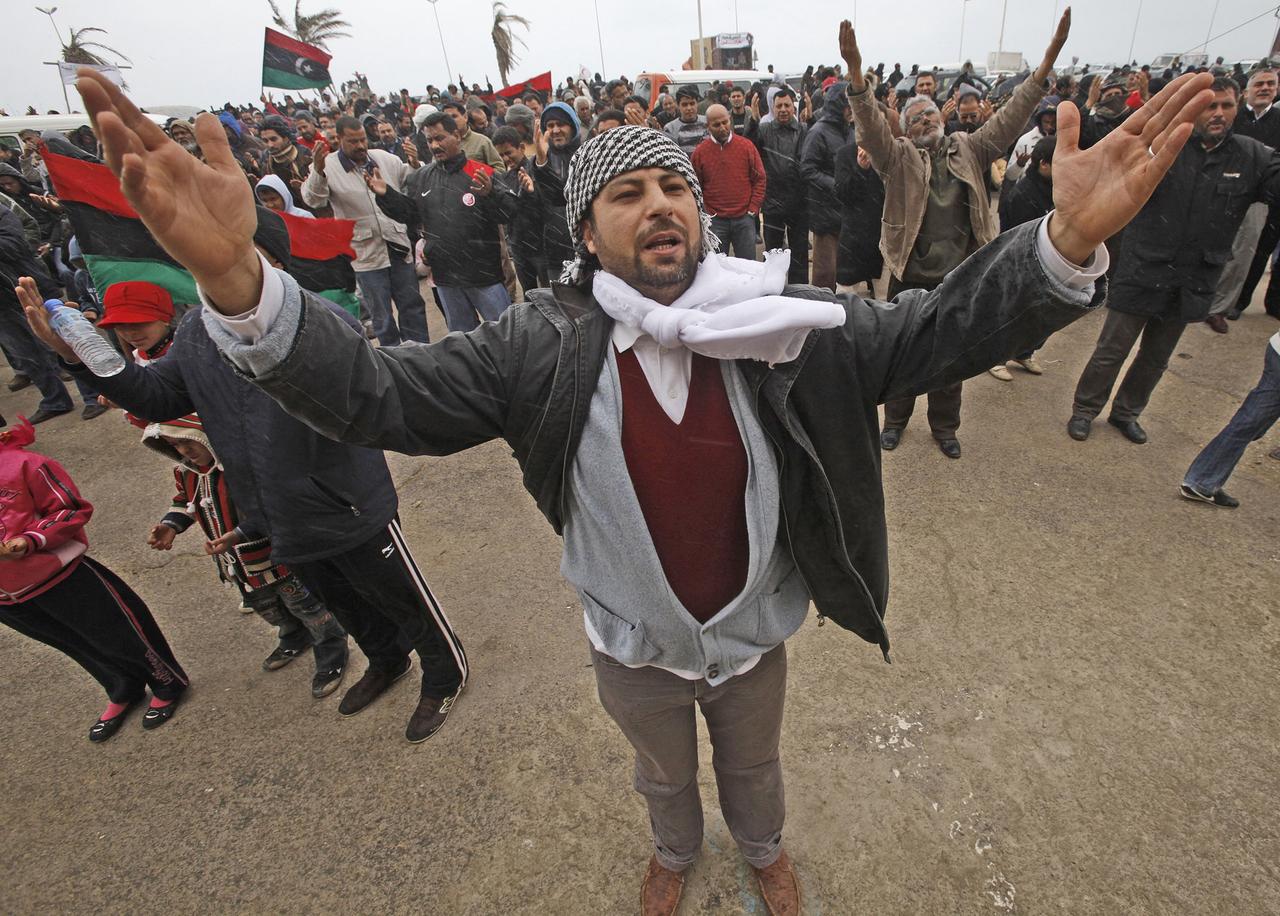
[(826, 138)]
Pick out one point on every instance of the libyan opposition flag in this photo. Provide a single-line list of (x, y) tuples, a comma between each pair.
[(117, 246), (289, 64), (540, 83)]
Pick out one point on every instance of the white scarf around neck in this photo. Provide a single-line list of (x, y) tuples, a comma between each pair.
[(732, 310)]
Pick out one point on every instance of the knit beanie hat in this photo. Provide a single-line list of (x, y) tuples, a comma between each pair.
[(603, 158), (421, 113), (520, 114)]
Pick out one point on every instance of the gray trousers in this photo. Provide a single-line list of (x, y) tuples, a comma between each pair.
[(1119, 333), (655, 710), (1231, 283)]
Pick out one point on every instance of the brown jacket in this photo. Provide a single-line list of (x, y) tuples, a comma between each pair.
[(905, 168)]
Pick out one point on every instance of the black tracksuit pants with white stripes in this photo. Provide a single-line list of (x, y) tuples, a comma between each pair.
[(95, 619), (383, 601)]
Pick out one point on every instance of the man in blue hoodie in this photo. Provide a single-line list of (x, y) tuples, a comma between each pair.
[(554, 145)]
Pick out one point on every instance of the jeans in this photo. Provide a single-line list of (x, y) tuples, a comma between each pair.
[(1258, 413), (399, 282), (655, 710), (302, 620), (461, 303), (33, 359), (790, 229), (1121, 330), (736, 231)]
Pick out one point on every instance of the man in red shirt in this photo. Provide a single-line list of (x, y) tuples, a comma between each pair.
[(733, 181)]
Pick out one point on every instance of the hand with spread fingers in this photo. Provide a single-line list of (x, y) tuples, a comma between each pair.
[(1097, 191), (202, 213)]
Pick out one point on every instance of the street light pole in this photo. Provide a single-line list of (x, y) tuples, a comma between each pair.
[(600, 41), (1134, 39), (1212, 17), (49, 12), (440, 32), (964, 8), (1004, 11), (702, 60)]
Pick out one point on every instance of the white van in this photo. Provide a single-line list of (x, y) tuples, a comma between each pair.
[(11, 127)]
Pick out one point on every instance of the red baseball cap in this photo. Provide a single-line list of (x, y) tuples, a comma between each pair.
[(136, 302)]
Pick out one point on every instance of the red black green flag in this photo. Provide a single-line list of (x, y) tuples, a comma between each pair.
[(289, 64), (118, 247), (115, 243)]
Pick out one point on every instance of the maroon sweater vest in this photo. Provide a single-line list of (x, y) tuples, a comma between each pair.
[(691, 482)]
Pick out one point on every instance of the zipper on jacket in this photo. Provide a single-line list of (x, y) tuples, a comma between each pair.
[(335, 496)]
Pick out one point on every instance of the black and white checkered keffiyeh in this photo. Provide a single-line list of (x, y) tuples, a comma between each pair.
[(603, 158)]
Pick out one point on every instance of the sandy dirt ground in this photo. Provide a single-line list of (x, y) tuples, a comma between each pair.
[(1080, 717)]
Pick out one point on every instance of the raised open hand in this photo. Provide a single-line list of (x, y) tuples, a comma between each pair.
[(202, 213), (1097, 191), (33, 307), (539, 143), (851, 56), (1055, 47), (377, 184)]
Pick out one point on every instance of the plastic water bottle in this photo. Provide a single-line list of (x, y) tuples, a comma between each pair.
[(91, 347)]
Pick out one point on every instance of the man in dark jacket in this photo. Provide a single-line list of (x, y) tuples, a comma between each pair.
[(1259, 118), (786, 206), (860, 193), (25, 354), (453, 203), (788, 390), (829, 134), (524, 231), (1171, 258), (556, 141)]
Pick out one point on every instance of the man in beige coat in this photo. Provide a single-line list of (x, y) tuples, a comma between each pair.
[(937, 209)]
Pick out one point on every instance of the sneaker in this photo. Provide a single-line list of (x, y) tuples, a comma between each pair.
[(280, 656), (1001, 372), (1031, 364), (19, 382), (326, 682), (1219, 499), (429, 717), (372, 684)]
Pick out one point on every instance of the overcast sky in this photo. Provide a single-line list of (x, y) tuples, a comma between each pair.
[(184, 57)]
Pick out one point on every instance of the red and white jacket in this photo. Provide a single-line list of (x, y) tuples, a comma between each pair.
[(38, 502)]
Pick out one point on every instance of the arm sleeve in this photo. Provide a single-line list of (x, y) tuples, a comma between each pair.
[(810, 170), (155, 392), (397, 206), (872, 132), (315, 190), (432, 399), (60, 510), (758, 180), (994, 138), (1007, 297)]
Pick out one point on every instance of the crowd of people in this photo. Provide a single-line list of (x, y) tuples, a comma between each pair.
[(597, 207)]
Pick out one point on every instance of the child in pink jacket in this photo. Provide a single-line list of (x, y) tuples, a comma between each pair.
[(51, 591)]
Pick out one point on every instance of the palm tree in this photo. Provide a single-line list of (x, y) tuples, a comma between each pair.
[(316, 29), (75, 50), (504, 43)]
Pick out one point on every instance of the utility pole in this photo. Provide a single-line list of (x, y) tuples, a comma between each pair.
[(702, 60), (1004, 11), (1134, 39), (440, 32), (964, 8), (600, 41), (1209, 33)]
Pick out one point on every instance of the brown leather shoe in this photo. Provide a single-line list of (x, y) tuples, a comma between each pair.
[(780, 887), (1218, 323), (660, 892)]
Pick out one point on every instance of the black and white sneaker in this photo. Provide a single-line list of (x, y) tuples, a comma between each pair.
[(1219, 499), (280, 656), (326, 682)]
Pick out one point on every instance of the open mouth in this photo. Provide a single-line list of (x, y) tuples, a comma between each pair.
[(664, 242)]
